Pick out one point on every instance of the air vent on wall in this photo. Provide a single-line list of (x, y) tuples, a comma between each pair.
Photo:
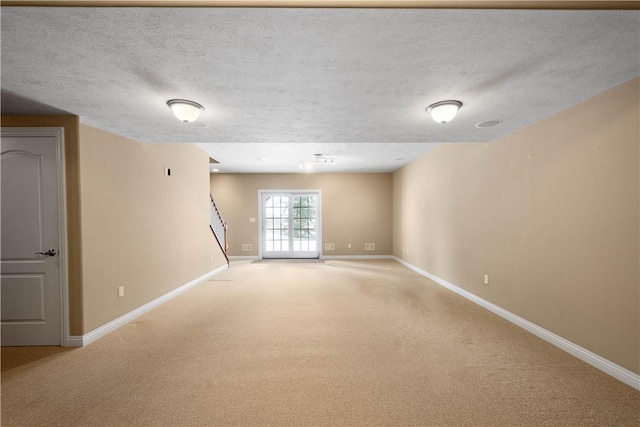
[(329, 246), (369, 246), (247, 247)]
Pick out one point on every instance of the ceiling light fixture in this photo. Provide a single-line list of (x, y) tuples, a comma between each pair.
[(321, 159), (186, 111), (444, 111)]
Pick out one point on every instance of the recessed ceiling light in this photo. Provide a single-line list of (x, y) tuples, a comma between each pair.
[(488, 123), (215, 170)]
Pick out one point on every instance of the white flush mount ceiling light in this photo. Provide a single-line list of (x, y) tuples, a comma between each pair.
[(186, 111), (444, 111)]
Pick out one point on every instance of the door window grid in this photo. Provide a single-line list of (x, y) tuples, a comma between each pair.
[(304, 223), (277, 223)]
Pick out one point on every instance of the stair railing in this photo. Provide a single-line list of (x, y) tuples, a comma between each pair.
[(219, 228)]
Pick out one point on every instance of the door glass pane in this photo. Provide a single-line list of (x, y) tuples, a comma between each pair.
[(304, 223), (276, 223)]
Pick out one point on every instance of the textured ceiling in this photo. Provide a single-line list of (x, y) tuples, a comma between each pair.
[(283, 84)]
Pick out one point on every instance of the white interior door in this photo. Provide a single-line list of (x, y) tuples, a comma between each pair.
[(290, 225), (30, 288)]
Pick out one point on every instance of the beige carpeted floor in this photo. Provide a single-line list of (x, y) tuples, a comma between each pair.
[(339, 343)]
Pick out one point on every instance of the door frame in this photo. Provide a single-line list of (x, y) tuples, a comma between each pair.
[(58, 134), (286, 191)]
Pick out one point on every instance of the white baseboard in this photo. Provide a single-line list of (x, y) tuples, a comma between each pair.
[(81, 341), (356, 257), (74, 341), (345, 257), (630, 378)]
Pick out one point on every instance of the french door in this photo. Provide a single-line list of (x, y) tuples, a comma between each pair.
[(290, 225)]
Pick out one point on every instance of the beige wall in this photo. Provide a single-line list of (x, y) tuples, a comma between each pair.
[(356, 208), (141, 229), (127, 224), (551, 213)]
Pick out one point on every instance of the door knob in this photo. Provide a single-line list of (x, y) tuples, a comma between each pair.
[(50, 252)]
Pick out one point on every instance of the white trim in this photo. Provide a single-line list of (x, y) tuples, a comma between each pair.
[(357, 257), (328, 257), (74, 341), (608, 367), (86, 339), (63, 256)]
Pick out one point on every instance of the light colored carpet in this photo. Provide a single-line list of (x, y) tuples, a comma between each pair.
[(339, 343)]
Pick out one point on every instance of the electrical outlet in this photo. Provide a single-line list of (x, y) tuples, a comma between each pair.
[(486, 279), (120, 291), (349, 246)]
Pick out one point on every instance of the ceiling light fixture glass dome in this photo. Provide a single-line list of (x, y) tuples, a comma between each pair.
[(186, 111), (444, 111)]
